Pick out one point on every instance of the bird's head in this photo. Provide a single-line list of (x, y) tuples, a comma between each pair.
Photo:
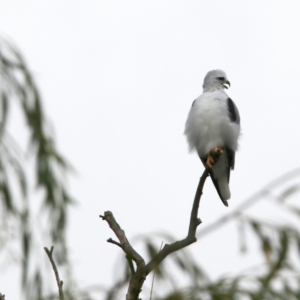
[(216, 79)]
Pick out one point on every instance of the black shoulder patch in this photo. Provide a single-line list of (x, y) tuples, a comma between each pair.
[(193, 103), (231, 110)]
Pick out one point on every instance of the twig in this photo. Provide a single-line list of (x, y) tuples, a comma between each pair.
[(59, 282), (131, 266), (129, 259), (138, 278), (110, 240)]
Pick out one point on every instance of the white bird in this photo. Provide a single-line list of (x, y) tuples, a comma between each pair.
[(213, 128)]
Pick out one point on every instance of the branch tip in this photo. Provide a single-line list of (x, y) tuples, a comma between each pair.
[(106, 214), (58, 281), (191, 236), (110, 240), (138, 276)]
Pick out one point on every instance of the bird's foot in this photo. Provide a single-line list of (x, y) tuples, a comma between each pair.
[(213, 156), (209, 161)]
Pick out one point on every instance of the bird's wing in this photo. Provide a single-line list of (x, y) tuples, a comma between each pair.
[(233, 112), (234, 116), (220, 177)]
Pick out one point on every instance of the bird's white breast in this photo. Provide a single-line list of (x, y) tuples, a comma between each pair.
[(208, 124)]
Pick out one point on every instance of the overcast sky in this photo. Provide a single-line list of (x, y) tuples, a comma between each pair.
[(118, 79)]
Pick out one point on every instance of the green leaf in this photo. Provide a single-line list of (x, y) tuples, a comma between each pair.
[(4, 112)]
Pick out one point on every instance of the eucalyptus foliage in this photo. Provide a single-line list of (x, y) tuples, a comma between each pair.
[(40, 164)]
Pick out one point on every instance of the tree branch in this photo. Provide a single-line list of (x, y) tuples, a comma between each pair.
[(191, 237), (59, 282), (110, 240), (138, 277), (248, 202), (130, 263)]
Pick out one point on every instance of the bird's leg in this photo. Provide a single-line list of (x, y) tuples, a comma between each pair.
[(213, 156)]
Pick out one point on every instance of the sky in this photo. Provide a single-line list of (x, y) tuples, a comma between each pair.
[(118, 79)]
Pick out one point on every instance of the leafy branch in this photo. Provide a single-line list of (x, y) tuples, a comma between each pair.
[(18, 85)]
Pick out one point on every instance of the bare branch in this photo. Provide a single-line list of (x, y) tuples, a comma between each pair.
[(248, 202), (138, 278), (191, 237), (129, 259), (59, 282), (110, 240)]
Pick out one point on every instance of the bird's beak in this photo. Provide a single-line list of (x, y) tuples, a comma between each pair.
[(226, 82)]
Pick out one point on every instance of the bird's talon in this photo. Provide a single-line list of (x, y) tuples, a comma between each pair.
[(218, 150), (210, 161), (213, 156)]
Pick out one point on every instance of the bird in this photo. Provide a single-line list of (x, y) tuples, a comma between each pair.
[(213, 129)]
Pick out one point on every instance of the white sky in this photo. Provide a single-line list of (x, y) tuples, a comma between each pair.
[(118, 79)]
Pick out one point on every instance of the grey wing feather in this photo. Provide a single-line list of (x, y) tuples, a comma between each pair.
[(233, 111), (234, 116), (216, 184), (231, 159)]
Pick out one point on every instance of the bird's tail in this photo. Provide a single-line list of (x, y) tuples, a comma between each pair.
[(223, 189), (219, 176)]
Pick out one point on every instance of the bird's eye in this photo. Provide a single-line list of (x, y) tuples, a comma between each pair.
[(221, 78)]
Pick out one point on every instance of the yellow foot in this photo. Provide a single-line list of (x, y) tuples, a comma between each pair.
[(210, 161), (217, 151), (213, 156)]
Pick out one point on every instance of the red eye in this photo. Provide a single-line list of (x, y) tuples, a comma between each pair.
[(221, 78)]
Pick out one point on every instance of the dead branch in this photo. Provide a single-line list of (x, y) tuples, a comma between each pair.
[(59, 282), (138, 277)]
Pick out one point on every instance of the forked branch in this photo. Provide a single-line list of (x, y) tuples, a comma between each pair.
[(138, 277), (59, 282)]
